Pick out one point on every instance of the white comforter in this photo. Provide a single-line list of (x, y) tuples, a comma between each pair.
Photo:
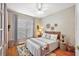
[(53, 44), (40, 42), (36, 44)]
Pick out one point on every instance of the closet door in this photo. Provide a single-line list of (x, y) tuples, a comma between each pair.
[(3, 29), (0, 30)]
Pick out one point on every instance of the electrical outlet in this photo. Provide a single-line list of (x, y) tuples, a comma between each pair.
[(78, 47)]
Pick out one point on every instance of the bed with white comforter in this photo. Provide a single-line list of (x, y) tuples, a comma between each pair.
[(41, 46)]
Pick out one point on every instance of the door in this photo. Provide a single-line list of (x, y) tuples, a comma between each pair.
[(77, 30), (3, 29), (0, 30)]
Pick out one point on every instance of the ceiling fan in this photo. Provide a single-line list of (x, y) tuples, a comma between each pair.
[(41, 8)]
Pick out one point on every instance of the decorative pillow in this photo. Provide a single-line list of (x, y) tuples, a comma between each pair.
[(54, 36), (48, 36), (44, 35)]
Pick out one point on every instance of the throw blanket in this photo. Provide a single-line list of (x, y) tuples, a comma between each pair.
[(44, 46)]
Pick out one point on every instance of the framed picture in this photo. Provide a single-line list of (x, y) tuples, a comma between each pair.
[(52, 28), (55, 25), (47, 25)]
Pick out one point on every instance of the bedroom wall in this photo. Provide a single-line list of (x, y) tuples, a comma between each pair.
[(26, 26), (66, 23), (23, 27)]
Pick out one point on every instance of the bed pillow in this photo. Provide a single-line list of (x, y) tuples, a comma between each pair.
[(54, 36), (45, 35)]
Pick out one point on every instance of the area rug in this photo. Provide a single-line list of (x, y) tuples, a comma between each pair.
[(23, 51)]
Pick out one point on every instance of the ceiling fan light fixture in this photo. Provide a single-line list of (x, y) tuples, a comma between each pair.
[(39, 6), (40, 12)]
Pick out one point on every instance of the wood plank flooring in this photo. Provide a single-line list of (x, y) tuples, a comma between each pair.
[(60, 52), (12, 51)]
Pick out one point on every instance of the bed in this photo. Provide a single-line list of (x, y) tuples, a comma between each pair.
[(42, 46)]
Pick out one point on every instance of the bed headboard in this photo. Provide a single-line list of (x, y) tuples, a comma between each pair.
[(54, 32)]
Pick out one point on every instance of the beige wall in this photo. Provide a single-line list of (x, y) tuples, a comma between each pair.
[(66, 23)]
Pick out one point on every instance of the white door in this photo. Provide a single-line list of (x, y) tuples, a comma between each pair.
[(3, 29), (0, 31), (77, 30)]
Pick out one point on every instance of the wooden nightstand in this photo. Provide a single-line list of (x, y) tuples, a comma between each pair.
[(70, 48), (39, 35), (62, 45)]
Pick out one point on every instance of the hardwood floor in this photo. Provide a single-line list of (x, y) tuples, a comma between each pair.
[(60, 52), (12, 51)]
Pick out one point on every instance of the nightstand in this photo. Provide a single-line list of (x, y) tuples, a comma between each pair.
[(39, 35), (70, 48), (62, 45)]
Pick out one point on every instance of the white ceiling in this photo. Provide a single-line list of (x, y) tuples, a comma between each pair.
[(31, 8)]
